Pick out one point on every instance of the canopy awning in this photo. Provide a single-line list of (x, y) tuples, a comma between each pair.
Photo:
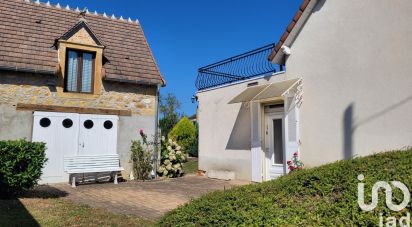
[(270, 91)]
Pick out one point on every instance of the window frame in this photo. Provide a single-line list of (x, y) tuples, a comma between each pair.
[(79, 70)]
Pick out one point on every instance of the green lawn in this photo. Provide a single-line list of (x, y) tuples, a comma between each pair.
[(190, 166), (33, 211), (323, 196)]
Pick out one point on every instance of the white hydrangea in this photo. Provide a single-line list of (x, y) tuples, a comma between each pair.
[(170, 141), (169, 167), (178, 148), (169, 148), (167, 162), (178, 152)]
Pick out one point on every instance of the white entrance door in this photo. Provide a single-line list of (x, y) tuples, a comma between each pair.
[(71, 134), (98, 134), (274, 145)]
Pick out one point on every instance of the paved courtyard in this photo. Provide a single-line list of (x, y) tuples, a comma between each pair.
[(149, 199)]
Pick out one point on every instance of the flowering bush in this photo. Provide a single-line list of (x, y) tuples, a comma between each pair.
[(141, 156), (295, 164), (172, 158)]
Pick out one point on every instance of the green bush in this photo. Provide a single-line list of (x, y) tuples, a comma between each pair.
[(184, 133), (21, 164), (194, 150), (323, 196)]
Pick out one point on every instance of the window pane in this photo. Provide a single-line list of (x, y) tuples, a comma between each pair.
[(87, 72), (71, 83), (278, 141)]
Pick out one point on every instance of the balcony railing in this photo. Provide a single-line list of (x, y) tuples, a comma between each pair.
[(240, 67)]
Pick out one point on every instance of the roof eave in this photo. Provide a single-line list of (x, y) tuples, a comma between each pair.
[(292, 31), (142, 82)]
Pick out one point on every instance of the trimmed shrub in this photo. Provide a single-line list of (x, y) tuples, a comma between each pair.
[(184, 133), (21, 164), (322, 196)]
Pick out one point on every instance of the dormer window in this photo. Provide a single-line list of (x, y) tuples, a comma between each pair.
[(79, 71)]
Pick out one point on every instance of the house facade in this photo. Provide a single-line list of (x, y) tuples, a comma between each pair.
[(344, 90), (82, 82)]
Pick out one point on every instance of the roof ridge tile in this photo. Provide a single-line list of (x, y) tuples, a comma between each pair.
[(77, 9)]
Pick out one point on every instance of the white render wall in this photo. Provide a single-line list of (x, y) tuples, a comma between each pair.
[(225, 129), (356, 61)]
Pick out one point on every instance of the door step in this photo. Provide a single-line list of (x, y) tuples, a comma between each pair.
[(221, 174)]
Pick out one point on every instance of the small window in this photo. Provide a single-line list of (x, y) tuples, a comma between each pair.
[(108, 124), (278, 141), (45, 122), (88, 124), (79, 71), (67, 123)]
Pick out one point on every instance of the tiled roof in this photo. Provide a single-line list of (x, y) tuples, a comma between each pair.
[(28, 31), (289, 28)]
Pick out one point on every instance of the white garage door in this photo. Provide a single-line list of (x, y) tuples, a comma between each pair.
[(71, 134)]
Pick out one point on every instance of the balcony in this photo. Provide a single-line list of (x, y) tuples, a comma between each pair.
[(248, 65)]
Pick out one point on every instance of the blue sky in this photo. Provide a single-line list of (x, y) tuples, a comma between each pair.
[(187, 34)]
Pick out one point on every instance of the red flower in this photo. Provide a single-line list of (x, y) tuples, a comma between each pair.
[(295, 154), (141, 132), (299, 167), (289, 162), (291, 168)]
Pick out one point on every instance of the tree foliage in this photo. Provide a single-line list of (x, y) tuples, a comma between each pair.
[(169, 107)]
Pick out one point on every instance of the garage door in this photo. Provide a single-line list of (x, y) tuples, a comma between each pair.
[(71, 134)]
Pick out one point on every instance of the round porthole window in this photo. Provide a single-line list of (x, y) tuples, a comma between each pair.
[(67, 123), (88, 124), (45, 122), (108, 124)]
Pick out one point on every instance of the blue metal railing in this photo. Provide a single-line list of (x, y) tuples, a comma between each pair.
[(240, 67)]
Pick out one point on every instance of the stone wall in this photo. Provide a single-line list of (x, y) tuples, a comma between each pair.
[(41, 89)]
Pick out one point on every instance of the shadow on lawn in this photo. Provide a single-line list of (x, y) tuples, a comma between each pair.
[(14, 213)]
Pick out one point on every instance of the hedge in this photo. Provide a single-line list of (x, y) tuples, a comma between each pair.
[(323, 196), (21, 164)]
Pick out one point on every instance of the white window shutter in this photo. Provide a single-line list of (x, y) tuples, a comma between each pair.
[(291, 129)]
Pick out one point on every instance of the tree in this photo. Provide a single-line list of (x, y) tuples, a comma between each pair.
[(169, 107), (184, 133)]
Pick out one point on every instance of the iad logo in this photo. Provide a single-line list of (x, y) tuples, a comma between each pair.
[(390, 221), (388, 191)]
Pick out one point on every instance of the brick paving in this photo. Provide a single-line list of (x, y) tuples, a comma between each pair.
[(149, 199)]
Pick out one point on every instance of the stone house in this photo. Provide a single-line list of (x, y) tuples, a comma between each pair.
[(82, 82), (340, 86)]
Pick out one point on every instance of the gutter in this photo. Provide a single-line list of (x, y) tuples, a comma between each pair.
[(156, 136), (26, 70)]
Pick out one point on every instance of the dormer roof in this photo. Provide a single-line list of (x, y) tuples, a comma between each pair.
[(81, 28)]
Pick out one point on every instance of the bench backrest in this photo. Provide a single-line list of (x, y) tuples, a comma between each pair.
[(90, 163)]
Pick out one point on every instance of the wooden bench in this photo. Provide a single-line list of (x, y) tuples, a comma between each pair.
[(92, 164)]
